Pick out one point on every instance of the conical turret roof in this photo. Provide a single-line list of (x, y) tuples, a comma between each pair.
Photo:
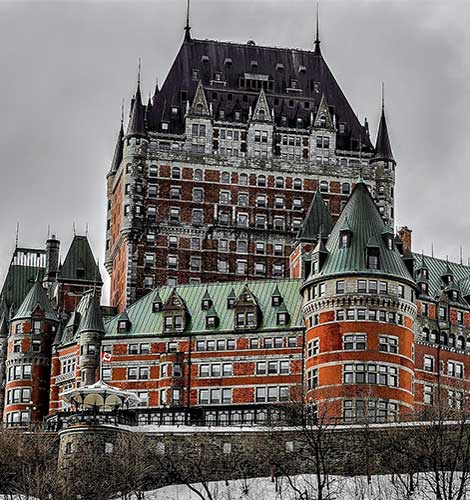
[(318, 219), (136, 125), (92, 320), (383, 149), (366, 226), (36, 298)]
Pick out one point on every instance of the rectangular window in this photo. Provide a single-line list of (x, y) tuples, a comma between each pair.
[(388, 344), (340, 286), (355, 342), (361, 286), (428, 363)]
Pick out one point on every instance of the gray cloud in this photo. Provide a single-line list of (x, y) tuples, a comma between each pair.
[(67, 65)]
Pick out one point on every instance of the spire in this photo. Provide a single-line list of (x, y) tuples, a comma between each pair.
[(383, 149), (92, 320), (187, 28), (136, 125), (156, 91), (36, 299), (118, 150), (317, 50)]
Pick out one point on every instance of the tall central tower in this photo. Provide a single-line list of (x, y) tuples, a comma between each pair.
[(213, 178)]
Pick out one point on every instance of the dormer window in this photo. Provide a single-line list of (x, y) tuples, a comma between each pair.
[(323, 121), (276, 300), (254, 64), (218, 77), (124, 325), (205, 59), (206, 304), (423, 288), (231, 302), (373, 261), (283, 318), (237, 116), (157, 306), (228, 61), (302, 69), (246, 319), (212, 321), (344, 241), (174, 323), (279, 67), (454, 295), (389, 242)]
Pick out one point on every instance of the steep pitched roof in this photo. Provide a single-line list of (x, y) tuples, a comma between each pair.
[(242, 62), (144, 321), (36, 298), (317, 220), (262, 112), (323, 113), (80, 264), (118, 151), (136, 125), (383, 149), (92, 319), (24, 267), (367, 226), (200, 102)]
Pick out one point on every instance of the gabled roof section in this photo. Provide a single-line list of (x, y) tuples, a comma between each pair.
[(323, 118), (36, 300), (262, 112), (80, 264), (199, 106), (174, 302), (383, 149), (144, 321), (136, 125), (366, 226), (246, 298), (199, 60), (318, 220)]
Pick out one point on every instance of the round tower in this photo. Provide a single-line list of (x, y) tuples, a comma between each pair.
[(28, 361), (359, 311)]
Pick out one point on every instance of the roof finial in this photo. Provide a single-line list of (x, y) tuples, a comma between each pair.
[(187, 28), (383, 97), (74, 233), (139, 73), (317, 32), (122, 112), (17, 236)]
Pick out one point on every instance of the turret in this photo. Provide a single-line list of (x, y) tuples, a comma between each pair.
[(52, 259), (358, 298), (32, 331), (90, 332)]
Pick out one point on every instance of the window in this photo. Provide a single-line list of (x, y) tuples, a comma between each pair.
[(260, 248), (377, 410), (383, 287), (340, 286), (324, 186), (297, 204), (172, 261), (222, 266), (313, 347), (279, 202), (279, 182), (401, 291), (198, 194), (173, 322), (215, 396), (243, 199), (198, 216), (456, 399), (242, 219), (261, 201), (355, 342), (172, 241), (345, 188), (260, 222), (198, 174), (388, 344), (312, 379), (174, 214), (242, 266), (297, 183), (272, 394), (428, 363), (195, 263), (176, 173), (428, 394), (260, 268), (246, 319), (279, 223), (370, 373), (243, 179), (278, 270), (455, 369), (225, 178), (261, 180)]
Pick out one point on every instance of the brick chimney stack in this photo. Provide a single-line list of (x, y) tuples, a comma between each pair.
[(405, 235)]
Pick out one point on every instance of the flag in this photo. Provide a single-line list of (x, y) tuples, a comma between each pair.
[(106, 357)]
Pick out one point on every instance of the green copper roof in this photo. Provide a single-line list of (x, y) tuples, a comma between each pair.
[(318, 219), (144, 321), (367, 226), (438, 267), (80, 264), (36, 298)]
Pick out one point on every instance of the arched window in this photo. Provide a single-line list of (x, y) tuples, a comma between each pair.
[(243, 179), (198, 175), (176, 173), (460, 342), (322, 121), (261, 180), (279, 182), (451, 340), (345, 188), (297, 183), (443, 339), (324, 186), (199, 108)]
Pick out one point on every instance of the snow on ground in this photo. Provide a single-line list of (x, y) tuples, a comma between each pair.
[(303, 486)]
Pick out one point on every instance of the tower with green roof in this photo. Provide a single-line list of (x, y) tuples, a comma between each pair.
[(359, 310)]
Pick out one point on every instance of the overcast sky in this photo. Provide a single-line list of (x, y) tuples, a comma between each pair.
[(66, 65)]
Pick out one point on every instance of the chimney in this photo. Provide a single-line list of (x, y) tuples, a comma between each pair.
[(405, 235), (52, 258)]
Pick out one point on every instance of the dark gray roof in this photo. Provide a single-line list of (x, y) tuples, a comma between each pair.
[(136, 126), (36, 298), (92, 319), (117, 158), (80, 264), (237, 62), (366, 225), (383, 149)]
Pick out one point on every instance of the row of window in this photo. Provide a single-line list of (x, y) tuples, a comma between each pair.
[(455, 397), (369, 315), (223, 245), (376, 410), (19, 395), (19, 372), (357, 342), (36, 327), (362, 286), (216, 370), (18, 418), (35, 345), (454, 368), (370, 373), (457, 341)]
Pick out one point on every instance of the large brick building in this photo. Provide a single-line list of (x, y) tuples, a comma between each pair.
[(252, 261), (213, 176)]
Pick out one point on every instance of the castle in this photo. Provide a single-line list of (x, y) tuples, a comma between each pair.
[(253, 261)]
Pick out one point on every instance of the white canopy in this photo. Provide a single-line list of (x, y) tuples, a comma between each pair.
[(100, 395)]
